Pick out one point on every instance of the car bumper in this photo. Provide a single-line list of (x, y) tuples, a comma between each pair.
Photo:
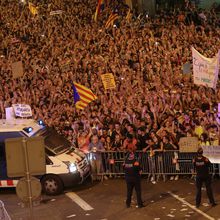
[(72, 179)]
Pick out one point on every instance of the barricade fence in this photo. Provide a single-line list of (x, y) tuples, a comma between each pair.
[(161, 163)]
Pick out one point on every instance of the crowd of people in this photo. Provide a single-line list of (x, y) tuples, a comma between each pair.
[(153, 105)]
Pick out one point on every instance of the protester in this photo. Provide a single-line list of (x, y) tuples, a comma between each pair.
[(95, 150)]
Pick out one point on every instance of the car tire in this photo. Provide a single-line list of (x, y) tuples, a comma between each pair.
[(52, 185)]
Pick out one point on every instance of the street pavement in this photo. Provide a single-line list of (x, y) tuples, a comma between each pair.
[(106, 201)]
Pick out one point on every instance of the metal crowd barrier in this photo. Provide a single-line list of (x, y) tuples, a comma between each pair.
[(3, 213), (162, 163)]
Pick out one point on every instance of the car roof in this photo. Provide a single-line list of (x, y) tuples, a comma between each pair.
[(19, 125)]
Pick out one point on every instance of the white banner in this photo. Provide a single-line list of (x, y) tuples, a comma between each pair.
[(212, 152), (205, 70), (22, 110), (9, 113)]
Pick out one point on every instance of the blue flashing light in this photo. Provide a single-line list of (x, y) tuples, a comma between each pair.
[(40, 122), (28, 129)]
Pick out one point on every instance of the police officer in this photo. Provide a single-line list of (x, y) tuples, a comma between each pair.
[(201, 166), (133, 178)]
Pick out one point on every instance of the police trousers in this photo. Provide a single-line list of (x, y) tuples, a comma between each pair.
[(134, 184), (199, 183)]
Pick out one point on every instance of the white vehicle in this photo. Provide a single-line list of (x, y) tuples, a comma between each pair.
[(65, 165)]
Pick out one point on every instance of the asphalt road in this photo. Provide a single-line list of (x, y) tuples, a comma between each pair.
[(106, 201)]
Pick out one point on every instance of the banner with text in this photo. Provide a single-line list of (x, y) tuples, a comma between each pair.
[(205, 70), (22, 110), (188, 144), (108, 81), (212, 153)]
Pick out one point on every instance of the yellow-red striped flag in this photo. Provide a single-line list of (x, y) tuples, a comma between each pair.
[(33, 9), (82, 96), (129, 15), (111, 20), (100, 7)]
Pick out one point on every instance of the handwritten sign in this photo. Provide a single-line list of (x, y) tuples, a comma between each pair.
[(212, 153), (187, 68), (22, 110), (108, 81), (188, 144), (33, 9), (17, 69), (205, 70)]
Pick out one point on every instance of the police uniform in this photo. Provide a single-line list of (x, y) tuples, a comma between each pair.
[(201, 166), (133, 178)]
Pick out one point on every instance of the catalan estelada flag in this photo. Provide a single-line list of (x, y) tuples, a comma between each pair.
[(33, 9), (129, 15), (100, 7), (111, 19), (82, 95)]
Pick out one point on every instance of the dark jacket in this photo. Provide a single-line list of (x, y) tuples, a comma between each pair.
[(132, 168), (201, 166)]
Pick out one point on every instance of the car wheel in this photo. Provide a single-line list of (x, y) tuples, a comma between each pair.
[(52, 185)]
